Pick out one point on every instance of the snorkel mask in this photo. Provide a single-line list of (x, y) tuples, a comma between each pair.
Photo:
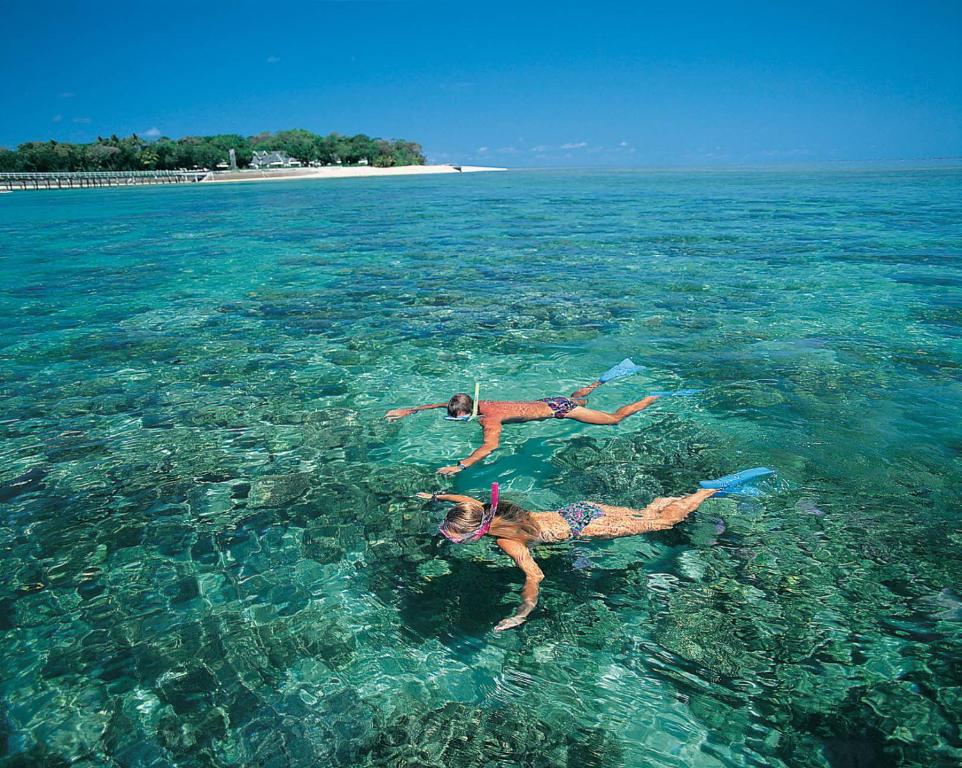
[(474, 411), (486, 519)]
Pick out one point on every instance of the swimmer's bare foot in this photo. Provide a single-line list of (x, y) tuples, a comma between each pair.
[(514, 621), (582, 394)]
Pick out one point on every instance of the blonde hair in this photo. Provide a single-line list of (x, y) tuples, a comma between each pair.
[(510, 520)]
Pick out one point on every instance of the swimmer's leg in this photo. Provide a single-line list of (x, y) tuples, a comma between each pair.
[(660, 515), (625, 368), (591, 416)]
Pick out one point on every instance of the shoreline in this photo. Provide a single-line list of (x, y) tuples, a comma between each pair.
[(28, 181), (339, 172)]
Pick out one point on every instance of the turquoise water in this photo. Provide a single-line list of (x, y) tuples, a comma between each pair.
[(211, 553)]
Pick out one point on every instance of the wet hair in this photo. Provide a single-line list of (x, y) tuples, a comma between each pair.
[(460, 405), (510, 521)]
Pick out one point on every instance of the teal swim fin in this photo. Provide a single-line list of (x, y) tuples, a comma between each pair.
[(734, 485), (624, 368)]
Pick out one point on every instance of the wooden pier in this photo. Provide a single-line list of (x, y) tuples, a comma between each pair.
[(80, 179)]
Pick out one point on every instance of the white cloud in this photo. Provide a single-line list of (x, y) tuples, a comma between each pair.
[(482, 150), (273, 59), (623, 144), (575, 145), (81, 120), (57, 118), (540, 148), (151, 133)]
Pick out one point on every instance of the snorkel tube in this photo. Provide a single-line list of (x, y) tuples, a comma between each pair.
[(486, 519)]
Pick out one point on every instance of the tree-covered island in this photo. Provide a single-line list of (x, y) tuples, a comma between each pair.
[(135, 153)]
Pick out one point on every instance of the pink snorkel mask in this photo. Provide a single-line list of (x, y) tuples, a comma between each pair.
[(486, 520)]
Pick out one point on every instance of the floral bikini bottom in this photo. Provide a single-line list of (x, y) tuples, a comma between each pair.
[(560, 406), (579, 515)]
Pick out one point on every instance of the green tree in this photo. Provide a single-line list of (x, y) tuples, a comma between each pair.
[(384, 154), (39, 156), (325, 149), (149, 159), (408, 153), (198, 152), (134, 153), (128, 157), (165, 150), (9, 160), (224, 143), (102, 156), (297, 143), (357, 148)]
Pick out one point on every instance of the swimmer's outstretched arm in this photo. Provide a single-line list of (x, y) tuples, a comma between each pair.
[(519, 552), (400, 413), (492, 439)]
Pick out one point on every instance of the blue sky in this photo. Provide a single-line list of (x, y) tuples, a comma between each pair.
[(519, 84)]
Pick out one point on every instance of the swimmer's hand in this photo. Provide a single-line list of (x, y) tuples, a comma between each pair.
[(398, 413), (423, 495), (450, 470), (513, 621)]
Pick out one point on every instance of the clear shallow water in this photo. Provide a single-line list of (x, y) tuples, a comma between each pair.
[(210, 550)]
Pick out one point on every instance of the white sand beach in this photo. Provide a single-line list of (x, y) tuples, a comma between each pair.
[(339, 172)]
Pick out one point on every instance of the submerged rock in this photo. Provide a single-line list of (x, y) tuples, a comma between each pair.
[(468, 737), (667, 459), (277, 490), (30, 480)]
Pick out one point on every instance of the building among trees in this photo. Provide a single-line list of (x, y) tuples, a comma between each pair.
[(273, 159), (284, 149)]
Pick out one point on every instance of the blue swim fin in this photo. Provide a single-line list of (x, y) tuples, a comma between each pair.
[(734, 485), (624, 368), (676, 393)]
